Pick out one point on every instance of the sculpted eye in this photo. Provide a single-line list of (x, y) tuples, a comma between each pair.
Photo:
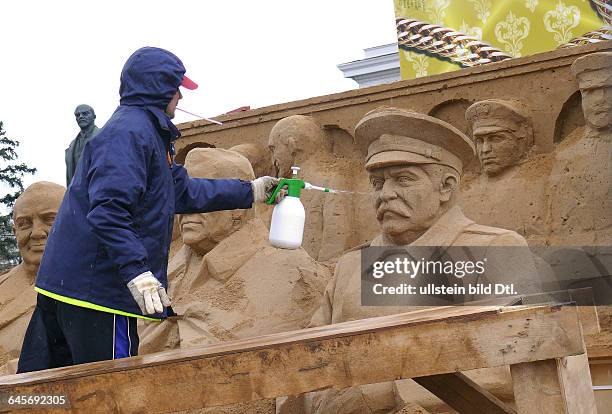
[(23, 223), (377, 183), (49, 219), (404, 179)]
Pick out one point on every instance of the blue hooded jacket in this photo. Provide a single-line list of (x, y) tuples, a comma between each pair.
[(115, 221)]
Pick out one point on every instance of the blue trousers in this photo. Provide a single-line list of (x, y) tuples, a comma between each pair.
[(60, 335)]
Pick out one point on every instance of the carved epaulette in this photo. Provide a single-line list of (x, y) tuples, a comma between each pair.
[(361, 246), (486, 230)]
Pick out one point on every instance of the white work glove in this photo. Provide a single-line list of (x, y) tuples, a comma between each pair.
[(263, 187), (148, 293)]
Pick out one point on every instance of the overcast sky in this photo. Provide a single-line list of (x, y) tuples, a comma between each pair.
[(57, 54)]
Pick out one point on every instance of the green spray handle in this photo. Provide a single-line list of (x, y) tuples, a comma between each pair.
[(294, 187)]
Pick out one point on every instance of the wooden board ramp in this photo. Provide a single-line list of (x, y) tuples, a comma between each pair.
[(416, 344)]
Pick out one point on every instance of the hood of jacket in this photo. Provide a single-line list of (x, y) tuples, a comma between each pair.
[(150, 78)]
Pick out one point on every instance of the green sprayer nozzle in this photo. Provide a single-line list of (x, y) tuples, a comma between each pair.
[(294, 187)]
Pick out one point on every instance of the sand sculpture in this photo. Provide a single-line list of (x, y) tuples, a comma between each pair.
[(414, 162), (259, 157), (512, 182), (33, 216), (227, 282), (580, 182), (298, 140)]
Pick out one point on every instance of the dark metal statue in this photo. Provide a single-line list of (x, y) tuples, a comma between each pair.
[(85, 117)]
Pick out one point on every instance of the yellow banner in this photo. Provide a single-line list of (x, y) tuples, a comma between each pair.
[(516, 27)]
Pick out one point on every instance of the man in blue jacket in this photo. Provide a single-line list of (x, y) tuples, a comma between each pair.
[(106, 257)]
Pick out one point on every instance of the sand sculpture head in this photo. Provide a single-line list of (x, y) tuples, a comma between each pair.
[(258, 156), (293, 140), (414, 163), (85, 116), (502, 133), (33, 216), (202, 232), (594, 75)]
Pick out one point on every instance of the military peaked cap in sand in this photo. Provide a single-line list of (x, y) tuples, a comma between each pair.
[(593, 70), (396, 136), (492, 115)]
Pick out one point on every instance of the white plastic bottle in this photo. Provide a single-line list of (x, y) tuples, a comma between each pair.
[(287, 227)]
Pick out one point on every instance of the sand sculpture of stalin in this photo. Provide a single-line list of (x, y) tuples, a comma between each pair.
[(106, 257), (414, 163)]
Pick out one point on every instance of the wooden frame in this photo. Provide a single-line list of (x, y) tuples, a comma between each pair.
[(415, 344)]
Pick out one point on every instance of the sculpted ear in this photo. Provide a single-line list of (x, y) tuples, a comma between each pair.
[(448, 185)]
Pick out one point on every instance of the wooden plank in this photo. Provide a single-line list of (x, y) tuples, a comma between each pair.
[(352, 353), (463, 394), (599, 345), (561, 385), (582, 298), (577, 385)]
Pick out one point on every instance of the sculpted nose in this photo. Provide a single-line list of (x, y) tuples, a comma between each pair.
[(486, 146), (39, 231), (387, 193)]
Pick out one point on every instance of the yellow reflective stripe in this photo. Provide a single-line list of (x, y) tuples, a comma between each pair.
[(83, 304)]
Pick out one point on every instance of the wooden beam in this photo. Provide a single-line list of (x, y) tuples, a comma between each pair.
[(599, 345), (561, 385), (367, 351), (463, 394)]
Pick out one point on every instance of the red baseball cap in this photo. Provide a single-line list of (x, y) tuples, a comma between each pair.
[(188, 83)]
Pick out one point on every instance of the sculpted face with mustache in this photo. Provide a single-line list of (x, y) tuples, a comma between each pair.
[(410, 198)]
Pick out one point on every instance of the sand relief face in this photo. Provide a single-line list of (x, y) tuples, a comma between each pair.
[(202, 232), (594, 75), (296, 140), (409, 198), (502, 133), (33, 216)]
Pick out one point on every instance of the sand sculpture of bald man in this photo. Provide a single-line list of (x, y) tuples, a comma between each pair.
[(298, 140), (33, 215), (512, 183), (414, 163), (227, 282)]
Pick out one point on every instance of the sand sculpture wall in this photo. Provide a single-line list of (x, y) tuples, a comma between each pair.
[(552, 185), (530, 199)]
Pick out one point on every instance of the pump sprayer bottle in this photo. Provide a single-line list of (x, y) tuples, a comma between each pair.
[(287, 227)]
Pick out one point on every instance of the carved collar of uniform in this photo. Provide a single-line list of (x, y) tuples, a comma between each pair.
[(235, 250)]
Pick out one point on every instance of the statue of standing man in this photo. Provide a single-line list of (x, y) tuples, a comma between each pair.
[(85, 117)]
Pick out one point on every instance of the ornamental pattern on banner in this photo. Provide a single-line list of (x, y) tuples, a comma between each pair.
[(516, 27)]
